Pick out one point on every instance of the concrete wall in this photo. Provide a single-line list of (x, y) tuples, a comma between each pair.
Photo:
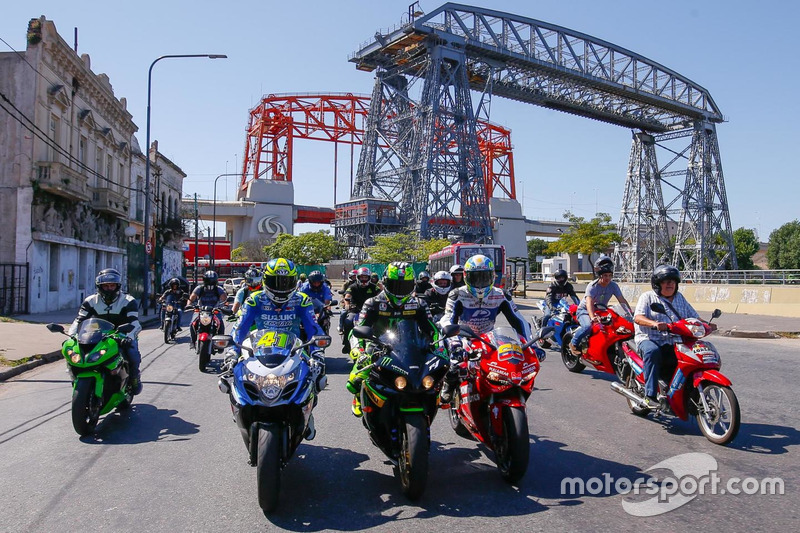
[(509, 230), (776, 300)]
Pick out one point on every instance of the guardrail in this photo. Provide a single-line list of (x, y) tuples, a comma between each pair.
[(729, 277)]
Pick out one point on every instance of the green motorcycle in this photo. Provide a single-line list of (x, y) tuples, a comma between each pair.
[(100, 378)]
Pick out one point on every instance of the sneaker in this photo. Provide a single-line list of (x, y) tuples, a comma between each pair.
[(356, 407), (574, 350), (651, 403)]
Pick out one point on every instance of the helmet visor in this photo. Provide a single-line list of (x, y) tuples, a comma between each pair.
[(399, 287), (280, 284), (480, 279)]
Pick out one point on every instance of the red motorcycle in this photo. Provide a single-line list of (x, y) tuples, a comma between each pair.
[(496, 379), (208, 323), (603, 347), (696, 386)]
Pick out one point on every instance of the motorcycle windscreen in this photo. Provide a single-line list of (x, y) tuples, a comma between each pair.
[(92, 330), (409, 344), (506, 339), (272, 347)]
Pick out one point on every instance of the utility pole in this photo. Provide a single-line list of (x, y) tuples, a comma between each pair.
[(196, 239)]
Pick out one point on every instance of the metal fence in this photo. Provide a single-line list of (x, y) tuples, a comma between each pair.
[(732, 277), (13, 289)]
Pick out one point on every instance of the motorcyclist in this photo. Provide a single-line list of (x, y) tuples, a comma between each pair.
[(320, 294), (252, 283), (654, 345), (301, 281), (436, 296), (174, 296), (376, 280), (279, 306), (457, 271), (598, 292), (354, 299), (351, 279), (209, 293), (423, 283), (477, 305), (110, 304), (394, 303), (559, 288)]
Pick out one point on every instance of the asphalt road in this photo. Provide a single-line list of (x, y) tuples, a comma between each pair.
[(176, 462)]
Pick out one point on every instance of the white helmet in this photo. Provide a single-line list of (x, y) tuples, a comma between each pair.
[(447, 279)]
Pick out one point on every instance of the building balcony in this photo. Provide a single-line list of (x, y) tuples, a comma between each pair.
[(104, 199), (59, 179)]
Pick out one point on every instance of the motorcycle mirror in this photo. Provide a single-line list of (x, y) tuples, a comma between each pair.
[(221, 341), (716, 314), (225, 311), (55, 328), (223, 385), (363, 332), (466, 331), (321, 341), (126, 328), (451, 330), (658, 308)]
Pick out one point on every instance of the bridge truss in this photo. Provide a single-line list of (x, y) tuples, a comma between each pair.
[(425, 69)]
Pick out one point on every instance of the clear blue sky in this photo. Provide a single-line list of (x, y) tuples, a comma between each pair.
[(742, 52)]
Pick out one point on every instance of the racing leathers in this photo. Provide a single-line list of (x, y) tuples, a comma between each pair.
[(123, 310), (258, 309), (354, 298), (380, 314), (436, 301)]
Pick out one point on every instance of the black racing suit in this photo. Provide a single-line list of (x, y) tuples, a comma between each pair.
[(436, 301), (354, 297), (555, 293)]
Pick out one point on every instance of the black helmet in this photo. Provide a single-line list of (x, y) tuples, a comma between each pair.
[(176, 282), (662, 273), (210, 278), (316, 277), (108, 275), (253, 278), (424, 275), (560, 276), (603, 265)]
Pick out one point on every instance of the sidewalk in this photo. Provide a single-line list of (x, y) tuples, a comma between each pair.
[(25, 338)]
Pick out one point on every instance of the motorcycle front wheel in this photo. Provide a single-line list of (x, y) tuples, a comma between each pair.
[(85, 407), (167, 331), (720, 423), (513, 447), (572, 362), (455, 420), (268, 468), (413, 463), (204, 351)]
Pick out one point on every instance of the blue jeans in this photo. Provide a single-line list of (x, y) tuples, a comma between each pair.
[(134, 357), (584, 330), (653, 356)]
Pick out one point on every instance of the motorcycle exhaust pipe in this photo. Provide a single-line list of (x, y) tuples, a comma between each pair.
[(619, 388)]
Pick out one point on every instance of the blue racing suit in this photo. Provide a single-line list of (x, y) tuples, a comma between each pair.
[(322, 295)]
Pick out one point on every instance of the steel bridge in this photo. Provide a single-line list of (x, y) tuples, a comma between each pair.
[(420, 150)]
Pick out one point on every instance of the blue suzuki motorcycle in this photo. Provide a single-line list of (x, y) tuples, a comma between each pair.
[(272, 391), (560, 320)]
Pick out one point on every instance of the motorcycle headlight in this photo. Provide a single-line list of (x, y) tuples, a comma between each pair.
[(169, 308), (526, 378), (205, 319), (271, 385), (74, 357), (427, 382), (498, 379), (400, 382)]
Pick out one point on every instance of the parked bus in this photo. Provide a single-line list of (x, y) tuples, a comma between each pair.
[(459, 252)]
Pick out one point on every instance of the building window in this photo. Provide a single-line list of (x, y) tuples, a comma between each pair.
[(98, 167), (55, 267), (110, 172), (55, 137), (121, 177), (140, 199), (82, 151)]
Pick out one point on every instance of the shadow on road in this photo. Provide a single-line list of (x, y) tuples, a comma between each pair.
[(765, 438), (141, 423)]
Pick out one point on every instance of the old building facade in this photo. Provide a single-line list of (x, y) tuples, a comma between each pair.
[(65, 168)]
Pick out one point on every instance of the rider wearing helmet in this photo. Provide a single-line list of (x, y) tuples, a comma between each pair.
[(172, 296), (209, 293), (477, 304), (301, 280), (436, 296), (376, 280), (316, 289), (656, 348), (598, 292), (559, 288), (110, 304), (423, 283), (351, 279), (354, 298), (394, 303), (457, 271), (252, 283)]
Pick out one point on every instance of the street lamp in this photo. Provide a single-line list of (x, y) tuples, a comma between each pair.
[(146, 293), (214, 219)]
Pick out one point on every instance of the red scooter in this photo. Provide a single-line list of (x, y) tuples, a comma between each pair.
[(496, 379), (603, 347), (696, 387)]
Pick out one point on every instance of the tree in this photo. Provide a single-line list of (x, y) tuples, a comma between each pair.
[(746, 245), (403, 247), (585, 237), (783, 251), (310, 248), (536, 247)]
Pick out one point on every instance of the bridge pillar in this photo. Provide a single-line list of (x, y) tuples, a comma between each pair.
[(509, 226), (272, 213)]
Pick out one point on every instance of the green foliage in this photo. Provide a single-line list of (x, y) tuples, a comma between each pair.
[(536, 247), (403, 247), (783, 251), (253, 250), (585, 237), (310, 248), (746, 245)]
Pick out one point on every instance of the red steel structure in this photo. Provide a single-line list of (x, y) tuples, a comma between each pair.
[(340, 118)]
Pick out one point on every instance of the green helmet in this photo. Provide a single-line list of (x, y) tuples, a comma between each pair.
[(398, 282)]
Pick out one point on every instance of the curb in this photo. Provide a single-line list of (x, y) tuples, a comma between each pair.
[(56, 355), (30, 365), (742, 334)]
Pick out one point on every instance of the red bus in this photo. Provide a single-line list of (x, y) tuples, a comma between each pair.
[(459, 252), (224, 268)]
